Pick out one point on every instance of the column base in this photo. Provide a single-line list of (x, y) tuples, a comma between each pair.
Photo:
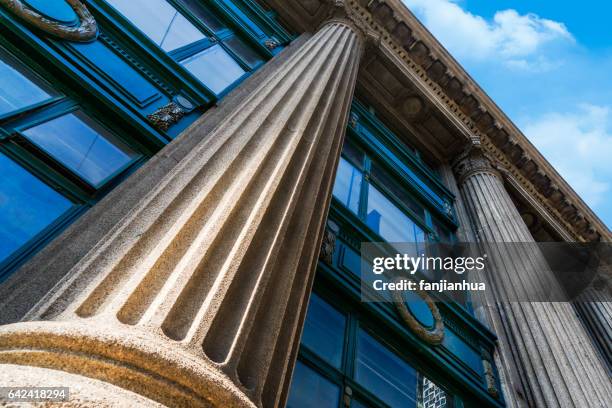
[(118, 363)]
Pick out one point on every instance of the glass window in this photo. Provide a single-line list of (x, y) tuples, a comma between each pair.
[(384, 373), (387, 220), (214, 67), (310, 390), (353, 154), (324, 331), (18, 88), (27, 206), (83, 146), (209, 61), (245, 52), (209, 19), (160, 21), (385, 179), (348, 185)]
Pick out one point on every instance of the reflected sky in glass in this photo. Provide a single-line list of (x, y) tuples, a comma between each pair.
[(17, 87), (27, 206), (387, 220), (160, 21), (82, 146), (348, 185), (384, 373), (310, 390), (324, 331), (214, 67)]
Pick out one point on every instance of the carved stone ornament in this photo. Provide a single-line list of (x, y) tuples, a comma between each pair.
[(85, 30), (432, 336), (328, 246), (490, 378), (166, 116), (473, 159), (271, 43)]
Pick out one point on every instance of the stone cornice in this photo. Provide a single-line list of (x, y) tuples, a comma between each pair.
[(484, 118), (404, 40)]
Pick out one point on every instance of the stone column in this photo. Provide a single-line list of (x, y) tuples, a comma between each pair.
[(196, 298), (542, 344), (595, 308)]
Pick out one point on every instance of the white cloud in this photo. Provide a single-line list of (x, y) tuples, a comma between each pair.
[(579, 145), (510, 37)]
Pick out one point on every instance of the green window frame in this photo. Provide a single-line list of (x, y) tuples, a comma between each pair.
[(237, 26), (19, 145), (411, 186), (345, 377)]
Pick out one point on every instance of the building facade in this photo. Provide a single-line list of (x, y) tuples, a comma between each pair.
[(187, 184)]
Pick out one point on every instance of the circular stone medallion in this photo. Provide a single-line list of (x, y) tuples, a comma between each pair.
[(57, 10)]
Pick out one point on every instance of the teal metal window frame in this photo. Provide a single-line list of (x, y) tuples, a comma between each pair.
[(459, 374), (381, 324), (172, 67), (82, 85), (50, 170), (368, 134)]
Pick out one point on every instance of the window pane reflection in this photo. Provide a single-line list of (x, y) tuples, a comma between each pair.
[(348, 185), (245, 52), (384, 373), (324, 331), (18, 88), (27, 206), (82, 146), (204, 15), (389, 181), (214, 67), (160, 21), (387, 220), (310, 390)]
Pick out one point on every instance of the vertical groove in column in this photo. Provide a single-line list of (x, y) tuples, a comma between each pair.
[(212, 269), (544, 341)]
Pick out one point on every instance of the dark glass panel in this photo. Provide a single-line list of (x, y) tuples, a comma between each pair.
[(324, 331), (245, 52), (27, 206), (83, 146), (160, 21), (214, 67), (18, 87), (443, 233), (384, 178), (353, 154), (384, 374), (387, 220), (204, 15), (348, 185), (310, 390), (118, 71)]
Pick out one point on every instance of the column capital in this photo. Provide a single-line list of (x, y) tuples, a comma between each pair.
[(341, 12), (474, 159)]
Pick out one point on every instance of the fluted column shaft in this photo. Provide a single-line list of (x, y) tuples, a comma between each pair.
[(197, 297), (543, 343), (595, 308)]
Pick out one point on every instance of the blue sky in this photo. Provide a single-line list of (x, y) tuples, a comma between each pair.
[(548, 65)]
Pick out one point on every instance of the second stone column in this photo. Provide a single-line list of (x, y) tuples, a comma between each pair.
[(543, 344)]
